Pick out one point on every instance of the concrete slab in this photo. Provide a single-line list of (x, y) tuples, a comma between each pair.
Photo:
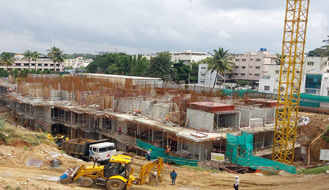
[(211, 106)]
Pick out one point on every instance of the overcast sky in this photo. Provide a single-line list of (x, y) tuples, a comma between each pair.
[(147, 26)]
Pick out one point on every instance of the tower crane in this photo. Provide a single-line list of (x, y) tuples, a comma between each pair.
[(291, 67)]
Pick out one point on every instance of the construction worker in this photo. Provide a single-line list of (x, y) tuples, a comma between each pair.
[(168, 150), (149, 154), (173, 176), (167, 118), (120, 131), (236, 183)]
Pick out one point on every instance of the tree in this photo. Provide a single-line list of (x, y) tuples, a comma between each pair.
[(7, 59), (140, 66), (28, 56), (220, 62), (322, 51), (181, 72), (56, 56), (35, 57), (242, 83), (112, 63), (194, 72), (325, 48), (161, 66)]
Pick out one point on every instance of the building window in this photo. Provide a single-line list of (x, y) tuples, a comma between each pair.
[(236, 67), (313, 81), (243, 74), (266, 87), (284, 72), (310, 63), (203, 67), (250, 73), (236, 74), (257, 60), (202, 81), (46, 65), (18, 64), (277, 71), (39, 65), (203, 74), (244, 60), (250, 66), (26, 64), (257, 67), (243, 67), (256, 75), (237, 60)]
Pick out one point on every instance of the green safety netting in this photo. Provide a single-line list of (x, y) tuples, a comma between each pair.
[(239, 151), (315, 98), (159, 152), (229, 92)]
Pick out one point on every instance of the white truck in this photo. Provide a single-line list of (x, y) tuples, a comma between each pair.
[(89, 149)]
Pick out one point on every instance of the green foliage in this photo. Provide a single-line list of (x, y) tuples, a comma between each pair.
[(220, 62), (7, 59), (317, 170), (161, 66), (181, 71), (56, 56), (241, 83), (139, 66), (325, 135), (194, 72), (28, 55), (46, 72), (322, 51), (3, 73)]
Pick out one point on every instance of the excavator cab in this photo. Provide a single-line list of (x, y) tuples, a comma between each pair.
[(58, 139)]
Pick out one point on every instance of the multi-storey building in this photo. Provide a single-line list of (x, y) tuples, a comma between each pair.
[(43, 63), (248, 66), (77, 62), (314, 78)]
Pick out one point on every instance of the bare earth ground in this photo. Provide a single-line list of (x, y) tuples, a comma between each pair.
[(14, 174)]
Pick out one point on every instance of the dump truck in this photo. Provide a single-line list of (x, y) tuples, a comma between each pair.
[(117, 174), (89, 149)]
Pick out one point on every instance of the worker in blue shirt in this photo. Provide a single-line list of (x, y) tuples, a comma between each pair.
[(173, 176)]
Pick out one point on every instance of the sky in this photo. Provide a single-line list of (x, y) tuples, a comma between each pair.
[(149, 26)]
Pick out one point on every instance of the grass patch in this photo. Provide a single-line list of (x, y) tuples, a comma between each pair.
[(193, 168), (9, 135), (318, 170)]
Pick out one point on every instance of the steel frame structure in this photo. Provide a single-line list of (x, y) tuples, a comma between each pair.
[(291, 67)]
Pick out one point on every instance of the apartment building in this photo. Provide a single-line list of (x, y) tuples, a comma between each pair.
[(43, 63), (77, 62), (252, 66), (314, 78), (248, 66)]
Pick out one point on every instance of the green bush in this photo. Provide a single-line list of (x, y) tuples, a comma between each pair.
[(321, 169)]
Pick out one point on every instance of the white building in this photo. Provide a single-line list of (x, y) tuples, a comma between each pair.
[(314, 78), (77, 62), (187, 56), (42, 63), (248, 66)]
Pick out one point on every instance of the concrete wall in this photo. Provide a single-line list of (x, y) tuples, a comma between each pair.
[(270, 115), (160, 111), (200, 119), (245, 117)]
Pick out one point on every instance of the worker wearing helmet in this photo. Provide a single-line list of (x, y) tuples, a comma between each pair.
[(149, 154), (167, 150), (236, 183)]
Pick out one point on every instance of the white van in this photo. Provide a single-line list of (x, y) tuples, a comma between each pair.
[(102, 151)]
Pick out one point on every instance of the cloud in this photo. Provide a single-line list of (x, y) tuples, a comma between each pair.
[(147, 26)]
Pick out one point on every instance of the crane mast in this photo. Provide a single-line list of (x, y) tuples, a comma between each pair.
[(291, 67)]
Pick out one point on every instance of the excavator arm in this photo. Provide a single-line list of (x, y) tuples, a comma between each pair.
[(146, 169)]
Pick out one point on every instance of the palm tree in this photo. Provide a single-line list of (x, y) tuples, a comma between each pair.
[(56, 56), (35, 57), (220, 62), (7, 59), (28, 56)]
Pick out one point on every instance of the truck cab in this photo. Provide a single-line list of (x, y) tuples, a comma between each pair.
[(102, 151)]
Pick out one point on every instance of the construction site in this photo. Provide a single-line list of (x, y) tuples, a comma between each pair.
[(84, 130), (138, 114)]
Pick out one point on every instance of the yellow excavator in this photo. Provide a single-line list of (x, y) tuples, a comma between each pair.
[(58, 139), (117, 174)]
